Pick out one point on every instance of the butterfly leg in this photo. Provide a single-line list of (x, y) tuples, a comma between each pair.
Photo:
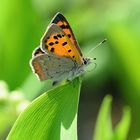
[(68, 80), (55, 83)]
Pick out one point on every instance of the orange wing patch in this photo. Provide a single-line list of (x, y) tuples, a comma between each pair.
[(66, 28), (61, 21), (57, 42), (38, 70)]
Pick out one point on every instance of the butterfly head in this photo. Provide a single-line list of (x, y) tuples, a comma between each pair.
[(87, 61)]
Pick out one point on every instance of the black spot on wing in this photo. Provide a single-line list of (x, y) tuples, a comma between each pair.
[(56, 42), (52, 49), (64, 43), (51, 43), (55, 37), (47, 39), (69, 35), (69, 50), (64, 26), (59, 36)]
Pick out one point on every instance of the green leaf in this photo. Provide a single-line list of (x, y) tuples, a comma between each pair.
[(39, 87), (103, 129), (122, 128), (52, 116)]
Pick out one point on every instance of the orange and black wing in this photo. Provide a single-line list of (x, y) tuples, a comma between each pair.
[(56, 42), (61, 21)]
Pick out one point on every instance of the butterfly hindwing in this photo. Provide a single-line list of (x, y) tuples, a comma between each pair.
[(37, 52), (62, 22), (51, 67), (57, 42)]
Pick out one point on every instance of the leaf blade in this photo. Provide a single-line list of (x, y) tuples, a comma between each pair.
[(122, 128), (103, 129), (44, 118)]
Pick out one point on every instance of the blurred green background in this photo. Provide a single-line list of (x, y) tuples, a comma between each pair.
[(22, 24)]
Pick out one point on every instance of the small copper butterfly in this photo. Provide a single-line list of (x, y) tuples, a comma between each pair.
[(59, 56)]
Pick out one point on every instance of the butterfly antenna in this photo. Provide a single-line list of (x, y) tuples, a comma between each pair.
[(103, 41)]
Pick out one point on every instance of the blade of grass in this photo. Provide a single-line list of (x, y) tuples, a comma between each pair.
[(122, 128), (103, 129)]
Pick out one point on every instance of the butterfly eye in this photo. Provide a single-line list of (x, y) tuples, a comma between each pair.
[(85, 62)]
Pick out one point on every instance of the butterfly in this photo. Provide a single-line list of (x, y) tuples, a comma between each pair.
[(58, 56)]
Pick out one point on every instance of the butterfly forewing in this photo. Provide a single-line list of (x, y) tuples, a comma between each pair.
[(57, 42), (61, 21)]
